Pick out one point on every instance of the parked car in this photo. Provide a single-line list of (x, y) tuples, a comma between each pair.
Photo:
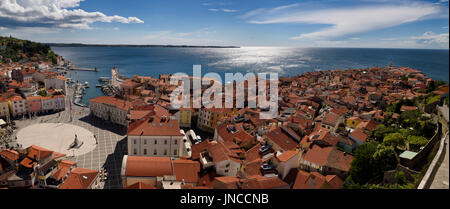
[(267, 166), (265, 148)]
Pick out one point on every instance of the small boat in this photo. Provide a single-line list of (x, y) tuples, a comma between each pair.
[(98, 85)]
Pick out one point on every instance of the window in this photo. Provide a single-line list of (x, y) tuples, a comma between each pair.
[(228, 165), (174, 152), (135, 151), (165, 152), (156, 141), (226, 171), (145, 151), (134, 141), (155, 152), (165, 141), (145, 141), (175, 142)]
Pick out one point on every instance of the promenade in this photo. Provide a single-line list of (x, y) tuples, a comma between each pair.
[(441, 178)]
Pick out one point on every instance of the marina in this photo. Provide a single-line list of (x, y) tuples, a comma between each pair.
[(79, 91)]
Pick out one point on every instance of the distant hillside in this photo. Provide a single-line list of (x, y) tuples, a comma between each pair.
[(129, 45), (17, 50)]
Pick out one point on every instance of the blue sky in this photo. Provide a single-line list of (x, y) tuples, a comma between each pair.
[(314, 23)]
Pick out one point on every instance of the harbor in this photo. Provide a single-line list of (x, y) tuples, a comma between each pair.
[(79, 91)]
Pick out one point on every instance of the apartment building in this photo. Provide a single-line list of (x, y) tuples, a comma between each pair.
[(157, 136), (110, 109), (17, 106)]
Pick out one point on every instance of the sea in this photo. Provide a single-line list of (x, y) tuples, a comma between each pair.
[(286, 61)]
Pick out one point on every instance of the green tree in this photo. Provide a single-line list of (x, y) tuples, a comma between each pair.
[(409, 118), (384, 159), (394, 139), (427, 128), (381, 131), (417, 140), (362, 169)]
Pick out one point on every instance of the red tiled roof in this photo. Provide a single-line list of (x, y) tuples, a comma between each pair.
[(359, 135), (406, 108), (38, 153), (154, 126), (220, 151), (315, 180), (368, 125), (241, 135), (148, 166), (330, 119), (79, 178), (138, 114), (318, 155), (232, 182), (10, 154), (253, 153), (63, 168), (119, 103), (253, 168), (186, 170), (261, 182), (282, 139), (287, 155), (140, 185)]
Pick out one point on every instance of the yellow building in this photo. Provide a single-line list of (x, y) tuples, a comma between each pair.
[(186, 117), (208, 118), (4, 108), (352, 122)]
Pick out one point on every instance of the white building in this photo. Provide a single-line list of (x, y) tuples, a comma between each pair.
[(17, 106), (155, 136), (110, 109)]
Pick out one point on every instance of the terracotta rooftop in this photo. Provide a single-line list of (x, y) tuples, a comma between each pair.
[(154, 126), (148, 166), (140, 185), (261, 182), (287, 155), (63, 169), (283, 139), (186, 170), (359, 135), (119, 103), (315, 180), (10, 154), (79, 178)]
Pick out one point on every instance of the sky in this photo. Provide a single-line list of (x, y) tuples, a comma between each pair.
[(309, 23)]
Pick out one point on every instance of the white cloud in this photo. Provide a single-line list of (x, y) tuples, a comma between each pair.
[(223, 10), (116, 28), (344, 21), (53, 13), (431, 38), (229, 10)]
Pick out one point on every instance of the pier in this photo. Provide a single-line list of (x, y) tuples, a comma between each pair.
[(75, 68)]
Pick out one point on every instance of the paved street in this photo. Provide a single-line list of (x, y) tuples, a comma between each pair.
[(441, 179), (111, 141)]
